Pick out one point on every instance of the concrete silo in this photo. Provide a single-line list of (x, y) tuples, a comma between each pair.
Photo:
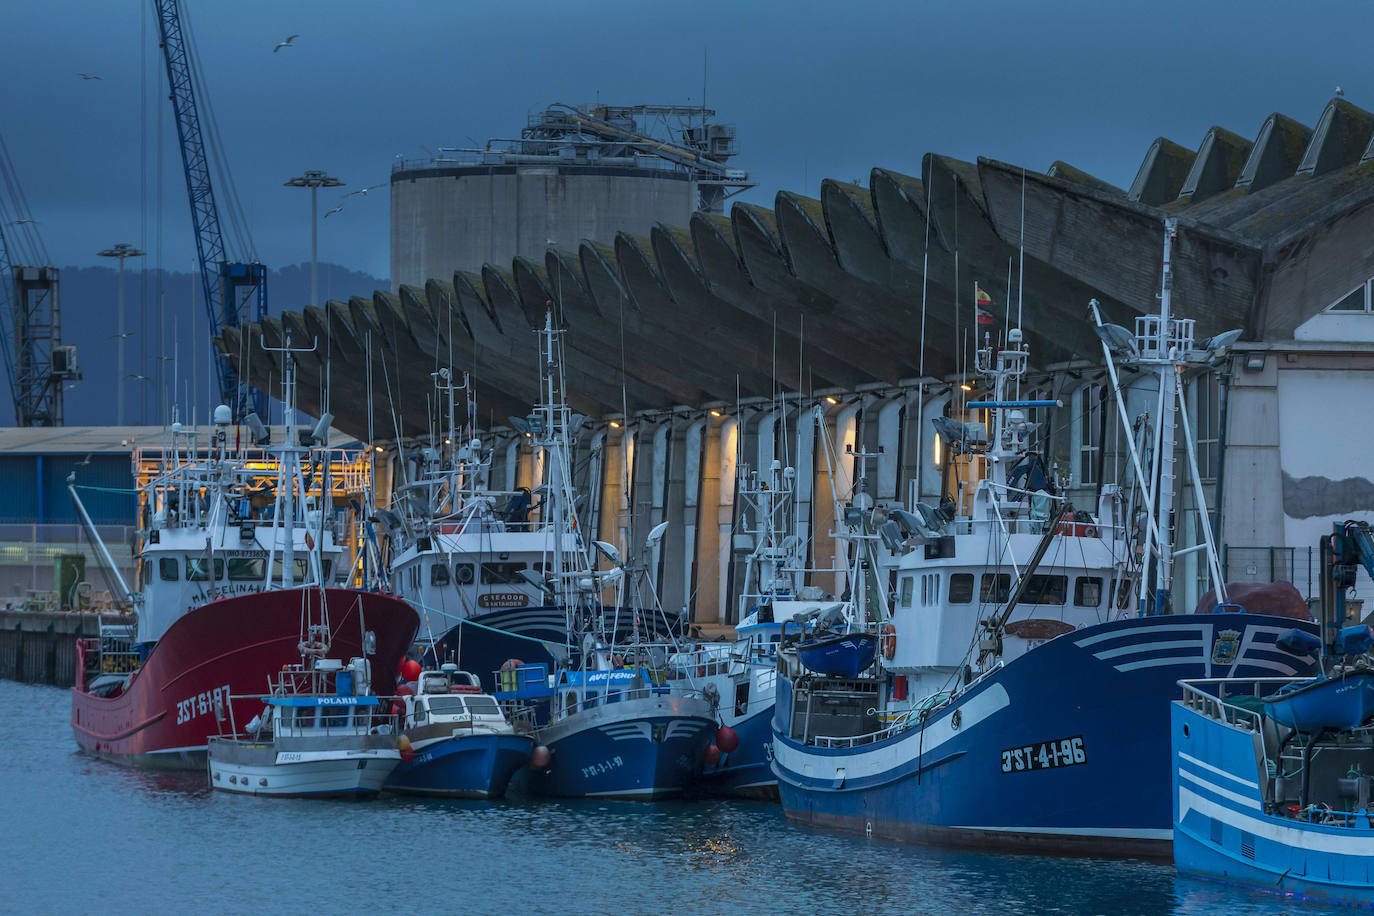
[(573, 174)]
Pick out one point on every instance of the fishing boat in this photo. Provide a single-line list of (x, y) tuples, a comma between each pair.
[(609, 723), (236, 541), (1019, 701), (1261, 803), (471, 557), (322, 733), (459, 742)]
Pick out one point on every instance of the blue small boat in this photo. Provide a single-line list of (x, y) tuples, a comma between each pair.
[(458, 742), (838, 654), (1258, 803), (612, 733), (1338, 701)]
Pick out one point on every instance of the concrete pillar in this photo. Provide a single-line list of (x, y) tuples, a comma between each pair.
[(594, 484), (673, 559), (693, 451), (804, 462), (658, 498), (886, 477), (612, 487)]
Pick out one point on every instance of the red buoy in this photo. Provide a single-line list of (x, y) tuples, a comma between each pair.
[(539, 757), (407, 755), (710, 755), (404, 690), (410, 669), (397, 709), (727, 739)]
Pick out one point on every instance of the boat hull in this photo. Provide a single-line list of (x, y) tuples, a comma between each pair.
[(1083, 718), (470, 766), (747, 770), (645, 749), (257, 769), (1221, 831), (230, 646)]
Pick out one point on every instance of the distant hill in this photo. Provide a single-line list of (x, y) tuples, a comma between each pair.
[(162, 323)]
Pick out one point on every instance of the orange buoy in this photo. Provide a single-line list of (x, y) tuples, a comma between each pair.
[(727, 739), (889, 641), (710, 755), (539, 757)]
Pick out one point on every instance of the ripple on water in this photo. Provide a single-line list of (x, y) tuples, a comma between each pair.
[(117, 840)]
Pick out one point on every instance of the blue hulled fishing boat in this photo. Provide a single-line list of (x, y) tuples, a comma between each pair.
[(1019, 700)]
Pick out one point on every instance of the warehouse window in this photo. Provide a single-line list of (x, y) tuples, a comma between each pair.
[(1357, 300), (1089, 412)]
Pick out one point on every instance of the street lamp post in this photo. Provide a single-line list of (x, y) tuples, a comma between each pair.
[(314, 179), (121, 250)]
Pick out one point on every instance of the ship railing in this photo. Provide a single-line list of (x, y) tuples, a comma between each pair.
[(1012, 524), (1208, 696)]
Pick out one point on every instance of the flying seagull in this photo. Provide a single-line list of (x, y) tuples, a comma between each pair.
[(87, 76), (285, 44), (20, 222), (121, 334), (363, 191), (138, 378), (335, 210)]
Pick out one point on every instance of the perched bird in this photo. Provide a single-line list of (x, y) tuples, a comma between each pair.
[(1340, 91), (335, 210), (363, 191), (87, 76), (285, 44)]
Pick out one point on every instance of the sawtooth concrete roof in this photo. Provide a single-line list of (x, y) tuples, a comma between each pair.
[(826, 292)]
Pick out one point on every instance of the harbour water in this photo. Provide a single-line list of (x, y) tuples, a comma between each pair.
[(83, 834)]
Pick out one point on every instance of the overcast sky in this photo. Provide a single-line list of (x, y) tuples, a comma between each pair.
[(816, 90)]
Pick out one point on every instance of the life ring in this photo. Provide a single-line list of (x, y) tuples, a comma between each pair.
[(889, 641), (1077, 529)]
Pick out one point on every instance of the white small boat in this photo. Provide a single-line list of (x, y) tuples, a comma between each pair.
[(321, 734)]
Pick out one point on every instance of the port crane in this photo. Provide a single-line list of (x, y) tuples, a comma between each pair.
[(233, 288), (36, 364)]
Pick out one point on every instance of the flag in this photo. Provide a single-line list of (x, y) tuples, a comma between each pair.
[(982, 304)]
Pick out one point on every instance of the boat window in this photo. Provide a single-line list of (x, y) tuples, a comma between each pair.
[(907, 586), (463, 574), (934, 588), (299, 565), (590, 701), (419, 711), (328, 565), (249, 569), (198, 569), (446, 706), (334, 716), (1045, 589), (304, 717), (169, 568), (961, 588), (1087, 591), (502, 573), (925, 590), (742, 698), (570, 702), (438, 574), (482, 706), (995, 587)]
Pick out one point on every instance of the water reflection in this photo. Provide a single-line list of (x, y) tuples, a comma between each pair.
[(166, 833)]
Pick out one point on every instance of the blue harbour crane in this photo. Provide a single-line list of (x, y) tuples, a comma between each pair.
[(233, 288)]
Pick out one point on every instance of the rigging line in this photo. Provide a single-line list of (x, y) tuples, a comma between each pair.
[(143, 106), (921, 370), (1021, 241)]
